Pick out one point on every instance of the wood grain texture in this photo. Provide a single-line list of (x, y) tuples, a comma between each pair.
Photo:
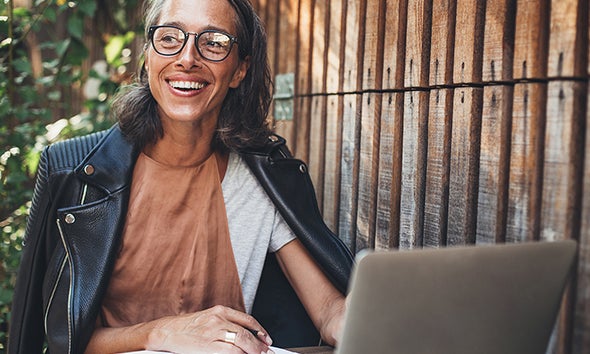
[(394, 43), (368, 169), (332, 170), (568, 39), (498, 43), (526, 161), (389, 173), (465, 146), (418, 32), (373, 49), (351, 125), (303, 75), (317, 144), (335, 55), (494, 164), (442, 46), (438, 167), (413, 173), (531, 39), (468, 41)]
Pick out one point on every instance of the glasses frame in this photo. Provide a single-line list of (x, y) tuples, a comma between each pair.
[(152, 30)]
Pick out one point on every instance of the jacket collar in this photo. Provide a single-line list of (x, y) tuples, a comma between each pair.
[(110, 163)]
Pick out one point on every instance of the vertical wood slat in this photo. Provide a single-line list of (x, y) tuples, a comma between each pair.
[(498, 48), (465, 145), (389, 175), (568, 40), (330, 207), (437, 168), (353, 65), (532, 26), (468, 41), (413, 172), (562, 173), (419, 18), (303, 78), (581, 324), (370, 119), (394, 43), (528, 127), (442, 43), (317, 132), (334, 110), (494, 164)]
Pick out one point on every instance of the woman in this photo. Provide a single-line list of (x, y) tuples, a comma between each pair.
[(153, 235)]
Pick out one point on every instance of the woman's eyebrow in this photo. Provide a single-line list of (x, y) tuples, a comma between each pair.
[(204, 28)]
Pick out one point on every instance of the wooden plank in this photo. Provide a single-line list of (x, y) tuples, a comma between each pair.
[(526, 161), (581, 326), (353, 64), (331, 210), (335, 61), (317, 144), (394, 43), (319, 44), (303, 77), (494, 164), (373, 50), (568, 40), (442, 43), (498, 43), (354, 45), (438, 167), (562, 181), (465, 146), (531, 39), (368, 165), (418, 43), (413, 173), (349, 169), (468, 41), (389, 173)]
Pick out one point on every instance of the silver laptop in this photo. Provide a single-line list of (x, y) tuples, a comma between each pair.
[(470, 299)]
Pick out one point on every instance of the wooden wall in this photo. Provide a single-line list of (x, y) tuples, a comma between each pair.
[(428, 123)]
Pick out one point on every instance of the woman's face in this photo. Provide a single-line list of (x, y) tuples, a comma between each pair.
[(187, 87)]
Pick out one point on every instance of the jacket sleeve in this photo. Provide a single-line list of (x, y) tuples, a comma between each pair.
[(26, 332)]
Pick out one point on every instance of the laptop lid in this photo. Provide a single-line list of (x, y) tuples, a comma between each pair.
[(469, 299)]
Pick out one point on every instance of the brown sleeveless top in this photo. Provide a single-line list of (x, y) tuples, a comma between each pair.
[(176, 255)]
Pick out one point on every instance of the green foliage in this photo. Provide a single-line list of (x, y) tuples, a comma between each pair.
[(44, 51)]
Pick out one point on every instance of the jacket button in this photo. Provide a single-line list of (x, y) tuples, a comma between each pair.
[(88, 170), (273, 138), (70, 218), (302, 168)]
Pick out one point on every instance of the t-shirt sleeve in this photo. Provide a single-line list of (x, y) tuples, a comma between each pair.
[(281, 233)]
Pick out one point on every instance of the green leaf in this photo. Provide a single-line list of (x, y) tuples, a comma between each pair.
[(75, 26), (88, 7)]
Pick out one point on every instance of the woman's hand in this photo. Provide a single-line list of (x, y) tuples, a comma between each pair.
[(219, 329), (216, 330)]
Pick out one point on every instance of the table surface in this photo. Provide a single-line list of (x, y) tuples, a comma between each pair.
[(314, 350)]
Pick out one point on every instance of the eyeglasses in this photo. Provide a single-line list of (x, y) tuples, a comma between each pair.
[(212, 45)]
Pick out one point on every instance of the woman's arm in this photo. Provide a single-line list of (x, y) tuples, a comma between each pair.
[(199, 332), (323, 302)]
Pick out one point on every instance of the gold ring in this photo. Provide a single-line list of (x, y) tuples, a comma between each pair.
[(230, 337)]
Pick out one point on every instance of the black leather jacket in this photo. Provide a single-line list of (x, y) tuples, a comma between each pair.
[(74, 231)]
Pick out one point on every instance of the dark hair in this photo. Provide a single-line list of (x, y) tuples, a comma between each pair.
[(242, 121)]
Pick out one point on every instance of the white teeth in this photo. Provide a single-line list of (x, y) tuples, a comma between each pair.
[(187, 85)]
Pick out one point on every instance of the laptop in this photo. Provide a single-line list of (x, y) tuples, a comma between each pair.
[(468, 299)]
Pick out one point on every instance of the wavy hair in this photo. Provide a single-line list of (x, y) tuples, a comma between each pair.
[(242, 122)]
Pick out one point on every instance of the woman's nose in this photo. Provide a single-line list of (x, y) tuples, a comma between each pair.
[(189, 55)]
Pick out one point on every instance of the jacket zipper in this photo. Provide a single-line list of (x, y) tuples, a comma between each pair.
[(59, 275), (70, 290)]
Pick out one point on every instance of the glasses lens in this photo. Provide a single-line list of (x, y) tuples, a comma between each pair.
[(168, 40), (214, 45)]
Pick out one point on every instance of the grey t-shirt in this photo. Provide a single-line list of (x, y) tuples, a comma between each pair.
[(255, 225)]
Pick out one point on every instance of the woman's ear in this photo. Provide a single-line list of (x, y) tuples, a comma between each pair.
[(240, 73)]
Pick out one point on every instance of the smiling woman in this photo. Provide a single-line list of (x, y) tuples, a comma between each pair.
[(154, 234)]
